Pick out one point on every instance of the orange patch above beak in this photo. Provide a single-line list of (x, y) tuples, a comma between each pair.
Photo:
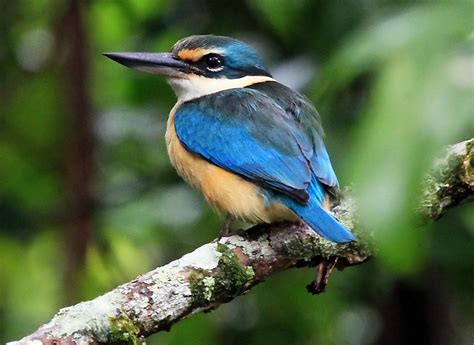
[(193, 55)]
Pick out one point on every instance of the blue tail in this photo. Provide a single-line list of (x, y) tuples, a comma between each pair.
[(322, 222), (317, 218)]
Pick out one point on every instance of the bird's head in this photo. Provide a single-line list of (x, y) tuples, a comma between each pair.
[(200, 65)]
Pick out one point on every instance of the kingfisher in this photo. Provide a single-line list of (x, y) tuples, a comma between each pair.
[(251, 145)]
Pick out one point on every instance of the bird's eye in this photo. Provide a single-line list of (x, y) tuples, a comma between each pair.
[(213, 62)]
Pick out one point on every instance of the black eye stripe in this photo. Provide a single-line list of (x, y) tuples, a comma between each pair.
[(214, 65)]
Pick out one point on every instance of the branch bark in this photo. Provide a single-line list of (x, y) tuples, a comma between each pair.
[(219, 271)]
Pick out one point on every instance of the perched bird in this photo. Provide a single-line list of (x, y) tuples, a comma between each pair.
[(251, 145)]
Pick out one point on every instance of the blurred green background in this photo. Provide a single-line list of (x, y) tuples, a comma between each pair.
[(88, 198)]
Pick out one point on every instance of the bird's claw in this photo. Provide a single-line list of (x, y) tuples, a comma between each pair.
[(225, 229)]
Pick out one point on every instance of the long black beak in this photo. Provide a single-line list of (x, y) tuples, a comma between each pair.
[(157, 63)]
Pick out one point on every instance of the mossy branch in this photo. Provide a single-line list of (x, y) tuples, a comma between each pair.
[(219, 271)]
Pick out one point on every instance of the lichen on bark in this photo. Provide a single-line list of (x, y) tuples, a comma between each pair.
[(222, 283), (450, 182)]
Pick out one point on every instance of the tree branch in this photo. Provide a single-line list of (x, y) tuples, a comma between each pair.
[(219, 271)]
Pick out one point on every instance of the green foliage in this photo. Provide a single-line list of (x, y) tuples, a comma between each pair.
[(394, 84)]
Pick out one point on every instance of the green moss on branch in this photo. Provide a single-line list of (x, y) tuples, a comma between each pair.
[(123, 331), (228, 280)]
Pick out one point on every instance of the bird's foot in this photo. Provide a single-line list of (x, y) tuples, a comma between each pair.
[(323, 271), (225, 229)]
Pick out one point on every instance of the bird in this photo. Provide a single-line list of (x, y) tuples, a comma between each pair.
[(251, 145)]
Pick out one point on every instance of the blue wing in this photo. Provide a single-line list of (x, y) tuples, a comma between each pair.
[(304, 113), (246, 132)]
